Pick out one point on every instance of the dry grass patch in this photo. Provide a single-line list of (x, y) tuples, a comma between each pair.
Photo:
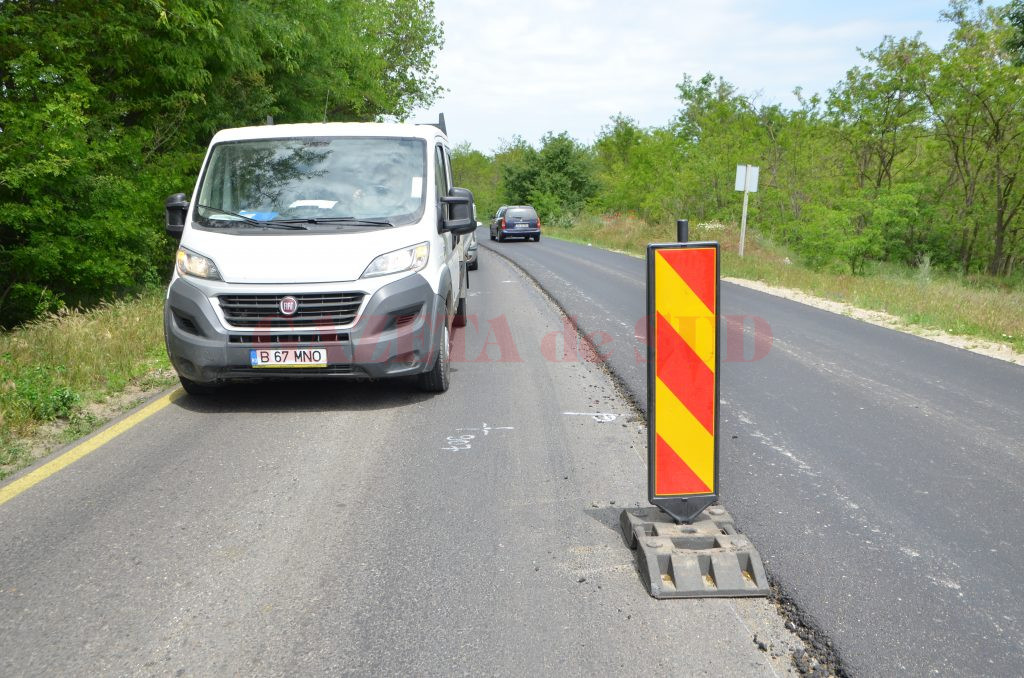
[(59, 375), (978, 307)]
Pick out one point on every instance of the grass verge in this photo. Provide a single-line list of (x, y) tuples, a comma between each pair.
[(978, 307), (65, 375)]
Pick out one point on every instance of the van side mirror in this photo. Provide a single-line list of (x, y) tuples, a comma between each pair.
[(175, 209), (460, 210)]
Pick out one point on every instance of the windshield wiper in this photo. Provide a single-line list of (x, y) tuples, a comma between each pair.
[(218, 210), (249, 221), (336, 220)]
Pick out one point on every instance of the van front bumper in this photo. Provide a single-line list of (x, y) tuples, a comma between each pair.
[(396, 333)]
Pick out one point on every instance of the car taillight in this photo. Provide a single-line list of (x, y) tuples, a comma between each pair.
[(538, 223), (502, 223)]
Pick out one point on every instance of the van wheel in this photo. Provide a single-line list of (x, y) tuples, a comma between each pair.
[(536, 238), (460, 314), (195, 388), (436, 380)]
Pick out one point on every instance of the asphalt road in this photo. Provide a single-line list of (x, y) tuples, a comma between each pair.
[(367, 529), (880, 475)]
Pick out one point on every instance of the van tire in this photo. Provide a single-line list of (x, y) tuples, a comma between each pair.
[(437, 379), (460, 314), (194, 388)]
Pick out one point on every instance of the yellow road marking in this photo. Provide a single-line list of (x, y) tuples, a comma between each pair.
[(77, 452)]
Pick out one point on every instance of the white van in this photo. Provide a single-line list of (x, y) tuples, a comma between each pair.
[(314, 250)]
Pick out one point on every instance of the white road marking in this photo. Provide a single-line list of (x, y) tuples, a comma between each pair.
[(599, 417), (459, 443), (487, 428)]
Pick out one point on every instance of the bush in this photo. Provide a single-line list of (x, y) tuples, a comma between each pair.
[(38, 393), (106, 108)]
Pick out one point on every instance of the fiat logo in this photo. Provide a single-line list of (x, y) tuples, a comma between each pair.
[(289, 305)]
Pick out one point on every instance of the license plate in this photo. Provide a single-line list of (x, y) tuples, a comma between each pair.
[(312, 356)]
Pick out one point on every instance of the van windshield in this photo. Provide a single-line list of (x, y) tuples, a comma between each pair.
[(332, 180)]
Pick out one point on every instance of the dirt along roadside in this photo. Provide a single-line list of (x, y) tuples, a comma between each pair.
[(984, 347)]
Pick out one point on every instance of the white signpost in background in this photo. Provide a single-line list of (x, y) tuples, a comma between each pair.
[(746, 181)]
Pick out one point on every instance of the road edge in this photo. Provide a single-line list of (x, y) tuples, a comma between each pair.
[(820, 655), (977, 345), (58, 460)]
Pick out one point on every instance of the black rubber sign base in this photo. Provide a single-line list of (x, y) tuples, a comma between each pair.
[(705, 559)]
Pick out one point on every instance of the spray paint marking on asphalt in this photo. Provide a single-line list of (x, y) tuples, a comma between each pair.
[(78, 451)]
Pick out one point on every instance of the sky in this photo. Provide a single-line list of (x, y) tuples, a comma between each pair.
[(526, 67)]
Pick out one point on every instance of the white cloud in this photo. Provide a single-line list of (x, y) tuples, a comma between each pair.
[(532, 66)]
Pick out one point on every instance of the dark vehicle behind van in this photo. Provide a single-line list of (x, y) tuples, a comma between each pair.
[(515, 221)]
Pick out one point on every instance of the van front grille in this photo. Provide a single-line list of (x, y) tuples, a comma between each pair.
[(263, 311), (271, 338)]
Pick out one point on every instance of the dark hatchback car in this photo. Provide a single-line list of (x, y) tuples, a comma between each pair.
[(515, 221)]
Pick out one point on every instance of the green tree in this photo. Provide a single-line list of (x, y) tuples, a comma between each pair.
[(880, 109), (799, 162), (558, 179), (978, 104), (480, 174), (106, 107), (520, 171), (638, 170), (1015, 38), (879, 113), (718, 129), (617, 142)]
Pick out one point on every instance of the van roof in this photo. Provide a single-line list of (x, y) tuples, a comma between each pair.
[(329, 129)]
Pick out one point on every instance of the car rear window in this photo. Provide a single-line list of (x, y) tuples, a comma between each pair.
[(521, 213)]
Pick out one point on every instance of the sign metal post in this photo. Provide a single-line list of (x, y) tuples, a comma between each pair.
[(746, 181)]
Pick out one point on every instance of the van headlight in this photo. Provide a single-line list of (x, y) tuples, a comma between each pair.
[(189, 263), (408, 259)]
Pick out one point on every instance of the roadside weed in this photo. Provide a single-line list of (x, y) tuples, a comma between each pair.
[(975, 306), (55, 370)]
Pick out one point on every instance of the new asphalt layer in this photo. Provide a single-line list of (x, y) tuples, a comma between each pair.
[(880, 475)]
